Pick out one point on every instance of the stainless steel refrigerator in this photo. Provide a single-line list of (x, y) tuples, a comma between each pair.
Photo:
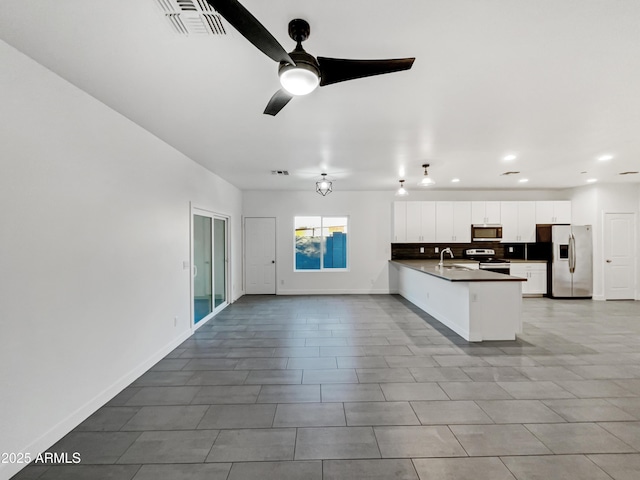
[(572, 261)]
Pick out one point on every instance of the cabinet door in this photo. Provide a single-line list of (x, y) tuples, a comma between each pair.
[(478, 213), (485, 213), (520, 270), (428, 221), (493, 213), (509, 216), (462, 222), (537, 281), (399, 222), (562, 212), (544, 212), (527, 222), (414, 222), (444, 222)]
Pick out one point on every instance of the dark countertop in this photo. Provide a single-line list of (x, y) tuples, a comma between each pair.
[(514, 260), (453, 273)]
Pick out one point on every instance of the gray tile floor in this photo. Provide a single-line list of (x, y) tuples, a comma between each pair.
[(369, 387)]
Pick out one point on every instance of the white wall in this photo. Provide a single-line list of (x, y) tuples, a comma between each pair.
[(589, 204), (94, 229), (369, 238), (369, 232)]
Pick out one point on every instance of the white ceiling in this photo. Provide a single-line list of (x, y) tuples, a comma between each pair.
[(553, 81)]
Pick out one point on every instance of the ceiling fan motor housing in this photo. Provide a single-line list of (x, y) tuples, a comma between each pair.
[(303, 60), (299, 30)]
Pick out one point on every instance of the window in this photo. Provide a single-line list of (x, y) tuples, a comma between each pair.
[(320, 243)]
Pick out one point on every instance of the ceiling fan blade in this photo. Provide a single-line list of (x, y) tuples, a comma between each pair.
[(277, 102), (334, 70), (251, 29)]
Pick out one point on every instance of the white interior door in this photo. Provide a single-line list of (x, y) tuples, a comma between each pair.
[(260, 255), (619, 256)]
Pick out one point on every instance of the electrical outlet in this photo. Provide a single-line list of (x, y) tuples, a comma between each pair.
[(421, 249), (510, 249), (437, 250)]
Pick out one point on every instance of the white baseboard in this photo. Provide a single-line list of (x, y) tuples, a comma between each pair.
[(50, 437), (599, 298), (314, 291)]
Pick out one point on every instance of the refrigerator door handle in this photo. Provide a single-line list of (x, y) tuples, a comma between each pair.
[(572, 253)]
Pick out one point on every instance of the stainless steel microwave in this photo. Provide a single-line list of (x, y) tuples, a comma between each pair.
[(486, 233)]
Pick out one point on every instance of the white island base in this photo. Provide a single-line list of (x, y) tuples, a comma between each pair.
[(475, 310)]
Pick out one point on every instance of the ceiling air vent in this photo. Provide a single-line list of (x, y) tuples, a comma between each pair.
[(192, 17), (510, 173), (280, 172), (627, 173)]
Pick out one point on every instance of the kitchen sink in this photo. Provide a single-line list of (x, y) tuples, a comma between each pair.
[(453, 268)]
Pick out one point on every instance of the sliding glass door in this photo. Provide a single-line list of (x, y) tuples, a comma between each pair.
[(209, 261), (219, 262)]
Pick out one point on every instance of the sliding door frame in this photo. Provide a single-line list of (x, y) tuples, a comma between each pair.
[(213, 215)]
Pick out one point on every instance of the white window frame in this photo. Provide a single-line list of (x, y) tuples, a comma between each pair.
[(322, 269)]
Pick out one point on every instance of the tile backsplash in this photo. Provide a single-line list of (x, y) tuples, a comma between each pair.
[(411, 251)]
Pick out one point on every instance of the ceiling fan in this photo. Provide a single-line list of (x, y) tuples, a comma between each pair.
[(300, 73)]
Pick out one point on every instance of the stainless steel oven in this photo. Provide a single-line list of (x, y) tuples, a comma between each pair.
[(486, 233), (496, 266), (486, 260)]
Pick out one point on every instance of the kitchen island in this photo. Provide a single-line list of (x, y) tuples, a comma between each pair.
[(478, 305)]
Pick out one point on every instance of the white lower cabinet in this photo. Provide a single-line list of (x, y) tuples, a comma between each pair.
[(536, 275)]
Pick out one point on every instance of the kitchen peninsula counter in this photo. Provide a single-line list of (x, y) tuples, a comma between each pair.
[(456, 271), (478, 305)]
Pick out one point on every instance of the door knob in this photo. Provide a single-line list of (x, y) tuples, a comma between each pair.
[(608, 261), (273, 261)]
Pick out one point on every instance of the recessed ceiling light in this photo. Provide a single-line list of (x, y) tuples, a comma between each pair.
[(605, 158), (592, 180), (523, 180), (508, 158), (455, 180)]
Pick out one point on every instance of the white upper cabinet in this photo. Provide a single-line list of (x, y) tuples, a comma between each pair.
[(453, 222), (557, 211), (399, 222), (421, 222), (450, 222), (428, 217), (485, 213), (414, 222), (518, 221)]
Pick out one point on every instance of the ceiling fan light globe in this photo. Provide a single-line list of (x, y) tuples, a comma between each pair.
[(299, 80)]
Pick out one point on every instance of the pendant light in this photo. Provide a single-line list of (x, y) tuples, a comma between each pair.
[(402, 192), (426, 180), (324, 186)]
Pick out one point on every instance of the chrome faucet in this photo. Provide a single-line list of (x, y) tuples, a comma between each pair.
[(447, 250)]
